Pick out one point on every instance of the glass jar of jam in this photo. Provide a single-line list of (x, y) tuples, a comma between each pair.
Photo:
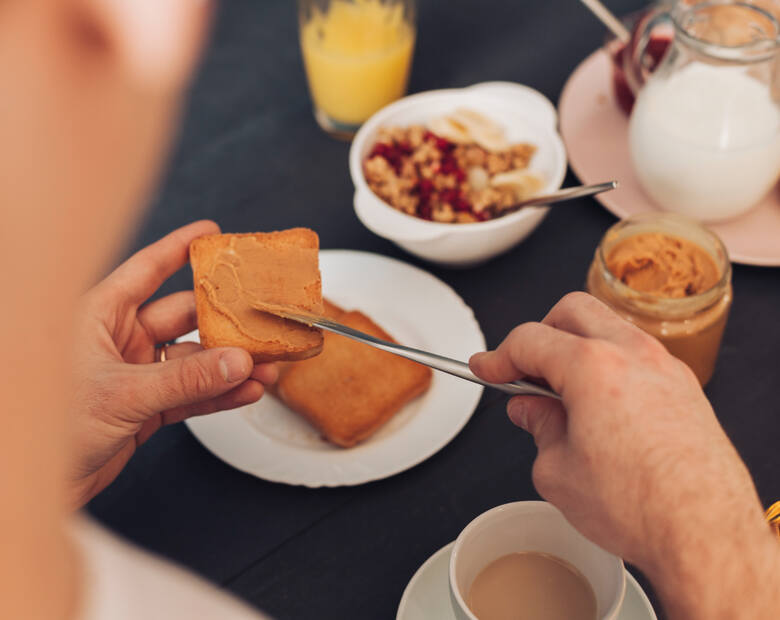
[(671, 277)]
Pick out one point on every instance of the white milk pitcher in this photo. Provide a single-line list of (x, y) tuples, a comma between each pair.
[(705, 131)]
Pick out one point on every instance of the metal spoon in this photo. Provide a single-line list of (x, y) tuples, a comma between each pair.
[(567, 193)]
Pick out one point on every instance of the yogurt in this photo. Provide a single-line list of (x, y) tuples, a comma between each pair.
[(705, 142)]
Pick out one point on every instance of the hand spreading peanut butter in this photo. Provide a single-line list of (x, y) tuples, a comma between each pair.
[(663, 265)]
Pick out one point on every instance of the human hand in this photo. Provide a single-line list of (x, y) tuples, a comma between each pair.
[(121, 396), (633, 455)]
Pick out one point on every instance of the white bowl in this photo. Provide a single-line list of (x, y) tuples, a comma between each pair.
[(525, 114), (539, 527)]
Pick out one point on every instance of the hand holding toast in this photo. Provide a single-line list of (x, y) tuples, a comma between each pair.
[(122, 396)]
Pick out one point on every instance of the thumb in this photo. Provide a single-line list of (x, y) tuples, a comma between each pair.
[(544, 418), (194, 378)]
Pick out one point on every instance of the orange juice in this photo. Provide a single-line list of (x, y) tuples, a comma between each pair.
[(357, 57)]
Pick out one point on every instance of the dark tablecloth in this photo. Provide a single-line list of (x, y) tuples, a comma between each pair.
[(250, 156)]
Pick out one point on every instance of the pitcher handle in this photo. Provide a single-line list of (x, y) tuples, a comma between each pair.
[(636, 66)]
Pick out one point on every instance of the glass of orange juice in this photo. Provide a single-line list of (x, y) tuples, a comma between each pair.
[(357, 55)]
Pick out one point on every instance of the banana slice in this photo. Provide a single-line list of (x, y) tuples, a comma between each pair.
[(453, 131), (482, 130), (525, 184), (465, 126)]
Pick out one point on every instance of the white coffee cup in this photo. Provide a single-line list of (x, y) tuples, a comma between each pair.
[(533, 526)]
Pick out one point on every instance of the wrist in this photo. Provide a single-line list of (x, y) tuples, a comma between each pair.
[(696, 503), (717, 567)]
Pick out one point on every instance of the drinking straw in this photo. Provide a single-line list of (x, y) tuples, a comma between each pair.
[(608, 19)]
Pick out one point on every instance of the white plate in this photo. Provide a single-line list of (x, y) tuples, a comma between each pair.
[(270, 441), (427, 596)]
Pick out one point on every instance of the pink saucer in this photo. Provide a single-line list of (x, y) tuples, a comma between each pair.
[(595, 132)]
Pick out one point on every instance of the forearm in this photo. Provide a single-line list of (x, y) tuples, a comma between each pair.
[(734, 581), (722, 562)]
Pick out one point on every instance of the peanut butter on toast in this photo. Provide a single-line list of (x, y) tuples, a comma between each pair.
[(230, 270)]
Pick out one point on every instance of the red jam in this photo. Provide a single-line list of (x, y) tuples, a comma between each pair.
[(656, 49)]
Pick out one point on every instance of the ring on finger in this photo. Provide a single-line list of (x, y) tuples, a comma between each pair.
[(162, 353)]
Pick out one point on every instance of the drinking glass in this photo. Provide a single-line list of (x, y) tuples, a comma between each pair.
[(357, 55)]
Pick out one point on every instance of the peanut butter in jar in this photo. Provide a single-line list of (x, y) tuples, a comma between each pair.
[(671, 277)]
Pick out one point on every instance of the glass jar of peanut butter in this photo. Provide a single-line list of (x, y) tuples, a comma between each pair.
[(671, 277)]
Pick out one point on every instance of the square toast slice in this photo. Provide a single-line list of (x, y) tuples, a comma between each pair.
[(351, 389), (280, 266)]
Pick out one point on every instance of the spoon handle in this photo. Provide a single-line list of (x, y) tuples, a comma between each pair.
[(568, 193)]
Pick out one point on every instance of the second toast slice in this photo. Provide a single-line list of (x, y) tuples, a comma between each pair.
[(351, 389)]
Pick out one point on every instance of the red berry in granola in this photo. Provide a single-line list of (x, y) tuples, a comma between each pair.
[(425, 175)]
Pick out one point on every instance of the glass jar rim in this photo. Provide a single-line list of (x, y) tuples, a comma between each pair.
[(682, 305), (752, 51)]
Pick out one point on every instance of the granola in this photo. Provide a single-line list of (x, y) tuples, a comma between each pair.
[(427, 175)]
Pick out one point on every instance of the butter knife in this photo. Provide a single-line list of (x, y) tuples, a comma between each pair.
[(437, 362)]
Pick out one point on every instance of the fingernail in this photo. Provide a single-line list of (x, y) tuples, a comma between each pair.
[(233, 366), (516, 411)]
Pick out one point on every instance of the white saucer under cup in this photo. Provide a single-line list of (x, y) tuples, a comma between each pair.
[(427, 595)]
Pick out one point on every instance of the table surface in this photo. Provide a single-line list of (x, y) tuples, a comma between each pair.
[(251, 157)]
